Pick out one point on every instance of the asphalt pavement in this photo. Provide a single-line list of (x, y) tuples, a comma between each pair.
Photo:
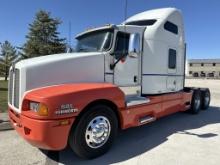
[(178, 139)]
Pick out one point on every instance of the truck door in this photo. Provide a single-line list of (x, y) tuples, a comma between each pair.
[(171, 77), (126, 72)]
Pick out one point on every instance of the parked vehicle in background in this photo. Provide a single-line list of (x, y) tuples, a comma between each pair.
[(202, 74), (211, 75)]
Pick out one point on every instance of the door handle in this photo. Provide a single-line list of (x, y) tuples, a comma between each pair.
[(135, 79)]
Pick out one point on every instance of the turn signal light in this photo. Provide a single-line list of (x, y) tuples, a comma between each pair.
[(43, 110)]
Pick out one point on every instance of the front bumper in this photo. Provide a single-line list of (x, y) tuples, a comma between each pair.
[(45, 134)]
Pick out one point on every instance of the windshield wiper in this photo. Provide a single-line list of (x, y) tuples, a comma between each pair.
[(82, 50)]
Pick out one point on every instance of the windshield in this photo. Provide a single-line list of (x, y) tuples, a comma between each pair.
[(95, 41)]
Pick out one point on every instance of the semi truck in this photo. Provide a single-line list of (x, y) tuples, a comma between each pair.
[(120, 76)]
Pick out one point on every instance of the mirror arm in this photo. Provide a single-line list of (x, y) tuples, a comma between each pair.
[(112, 66)]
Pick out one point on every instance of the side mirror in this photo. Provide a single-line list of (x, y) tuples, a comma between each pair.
[(134, 45)]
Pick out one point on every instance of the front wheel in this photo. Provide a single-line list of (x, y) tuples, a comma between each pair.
[(94, 133)]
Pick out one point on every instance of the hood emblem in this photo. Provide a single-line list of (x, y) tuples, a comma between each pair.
[(66, 109)]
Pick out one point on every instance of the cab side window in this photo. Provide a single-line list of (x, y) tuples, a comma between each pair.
[(121, 45), (172, 59), (171, 27)]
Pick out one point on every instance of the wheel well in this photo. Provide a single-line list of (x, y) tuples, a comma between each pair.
[(98, 102)]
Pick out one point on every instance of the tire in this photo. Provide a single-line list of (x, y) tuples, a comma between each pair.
[(81, 140), (196, 102), (205, 98)]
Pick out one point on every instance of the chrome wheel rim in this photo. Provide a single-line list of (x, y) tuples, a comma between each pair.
[(97, 132)]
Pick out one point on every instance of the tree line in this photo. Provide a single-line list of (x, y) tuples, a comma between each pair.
[(42, 39)]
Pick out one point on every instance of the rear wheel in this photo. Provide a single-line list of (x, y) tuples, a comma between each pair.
[(205, 98), (196, 102), (94, 133)]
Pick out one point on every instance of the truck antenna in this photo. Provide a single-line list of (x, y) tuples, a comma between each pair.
[(125, 13), (69, 49), (125, 17), (126, 10)]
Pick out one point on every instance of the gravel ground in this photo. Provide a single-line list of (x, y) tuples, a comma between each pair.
[(178, 139)]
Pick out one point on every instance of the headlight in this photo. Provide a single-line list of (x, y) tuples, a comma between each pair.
[(34, 106), (39, 108)]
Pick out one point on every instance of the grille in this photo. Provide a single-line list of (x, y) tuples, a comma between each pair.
[(10, 90), (16, 88)]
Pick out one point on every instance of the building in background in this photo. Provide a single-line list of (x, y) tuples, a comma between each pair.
[(209, 68)]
